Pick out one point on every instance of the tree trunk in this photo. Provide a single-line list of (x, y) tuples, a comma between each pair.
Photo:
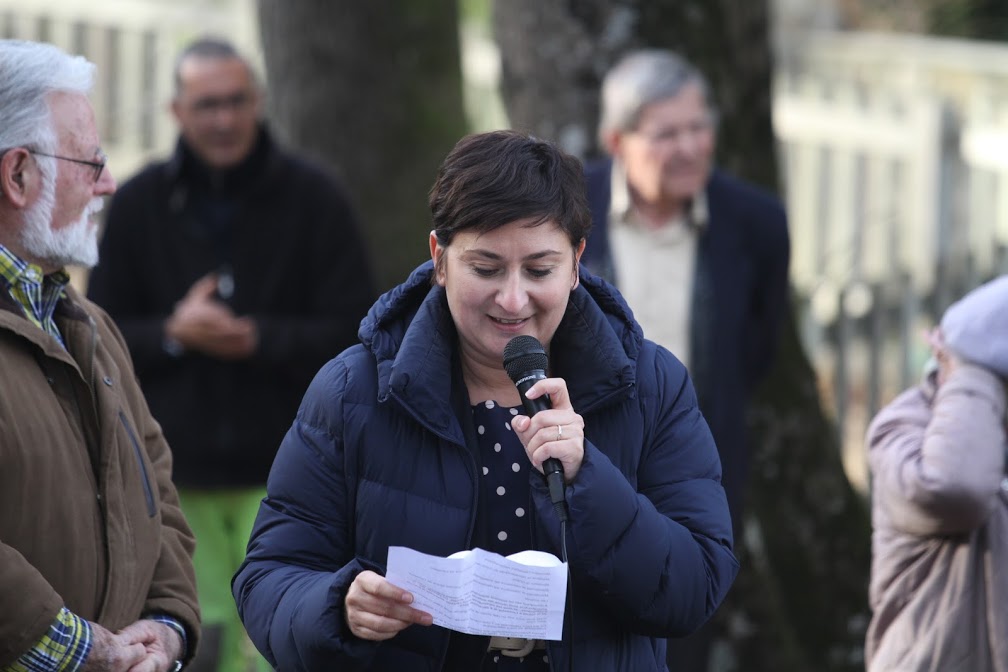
[(374, 90), (800, 600)]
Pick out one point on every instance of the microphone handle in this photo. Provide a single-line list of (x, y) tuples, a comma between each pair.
[(533, 406), (553, 469)]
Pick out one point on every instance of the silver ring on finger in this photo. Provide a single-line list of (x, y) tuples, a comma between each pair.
[(559, 432)]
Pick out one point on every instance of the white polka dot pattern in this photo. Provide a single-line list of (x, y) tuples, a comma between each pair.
[(506, 490)]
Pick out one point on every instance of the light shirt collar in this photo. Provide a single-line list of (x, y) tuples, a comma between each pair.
[(621, 208)]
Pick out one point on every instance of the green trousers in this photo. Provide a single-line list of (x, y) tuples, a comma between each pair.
[(221, 521)]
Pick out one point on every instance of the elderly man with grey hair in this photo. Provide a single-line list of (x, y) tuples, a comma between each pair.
[(700, 256), (95, 556)]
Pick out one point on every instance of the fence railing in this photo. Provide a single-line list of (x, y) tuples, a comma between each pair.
[(895, 155)]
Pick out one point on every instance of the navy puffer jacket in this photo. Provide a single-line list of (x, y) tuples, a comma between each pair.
[(377, 457)]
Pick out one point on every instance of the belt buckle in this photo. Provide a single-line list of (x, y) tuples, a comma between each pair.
[(515, 647)]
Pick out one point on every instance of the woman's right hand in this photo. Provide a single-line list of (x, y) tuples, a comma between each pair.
[(947, 360), (377, 610)]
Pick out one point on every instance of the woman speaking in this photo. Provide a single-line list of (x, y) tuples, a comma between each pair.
[(418, 437)]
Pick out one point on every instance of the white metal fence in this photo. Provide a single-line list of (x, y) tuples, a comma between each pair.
[(895, 156)]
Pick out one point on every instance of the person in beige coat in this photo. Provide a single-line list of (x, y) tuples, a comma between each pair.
[(939, 573)]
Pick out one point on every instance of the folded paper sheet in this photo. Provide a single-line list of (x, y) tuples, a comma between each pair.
[(483, 593)]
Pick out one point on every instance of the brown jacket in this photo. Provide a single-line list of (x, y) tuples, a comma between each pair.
[(89, 517), (939, 576)]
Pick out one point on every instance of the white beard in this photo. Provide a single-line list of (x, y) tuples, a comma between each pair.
[(76, 244)]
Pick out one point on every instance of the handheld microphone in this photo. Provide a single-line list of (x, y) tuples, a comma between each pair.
[(526, 362)]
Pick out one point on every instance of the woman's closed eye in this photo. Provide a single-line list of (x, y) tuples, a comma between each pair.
[(537, 272), (484, 271)]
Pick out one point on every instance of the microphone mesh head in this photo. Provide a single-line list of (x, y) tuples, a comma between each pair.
[(523, 354)]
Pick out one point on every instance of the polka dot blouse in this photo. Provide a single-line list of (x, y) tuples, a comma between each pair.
[(505, 484)]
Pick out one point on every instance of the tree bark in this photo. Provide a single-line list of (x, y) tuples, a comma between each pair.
[(374, 90), (800, 601)]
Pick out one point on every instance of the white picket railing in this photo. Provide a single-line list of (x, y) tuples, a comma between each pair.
[(895, 157)]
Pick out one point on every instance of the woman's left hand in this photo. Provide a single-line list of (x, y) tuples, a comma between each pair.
[(556, 432)]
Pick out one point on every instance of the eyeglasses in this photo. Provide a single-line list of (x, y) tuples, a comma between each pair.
[(98, 165), (212, 105), (691, 129)]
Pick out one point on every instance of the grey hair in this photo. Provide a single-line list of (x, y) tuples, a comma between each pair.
[(639, 79), (210, 48), (29, 73)]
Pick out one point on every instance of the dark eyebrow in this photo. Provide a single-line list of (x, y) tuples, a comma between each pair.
[(493, 256)]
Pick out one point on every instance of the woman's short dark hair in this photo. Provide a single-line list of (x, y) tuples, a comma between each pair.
[(495, 178)]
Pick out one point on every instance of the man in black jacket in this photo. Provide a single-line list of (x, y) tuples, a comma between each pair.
[(234, 270)]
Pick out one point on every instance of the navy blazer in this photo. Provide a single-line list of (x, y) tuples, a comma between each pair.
[(740, 295)]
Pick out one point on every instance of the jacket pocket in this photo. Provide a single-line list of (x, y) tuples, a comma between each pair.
[(145, 478)]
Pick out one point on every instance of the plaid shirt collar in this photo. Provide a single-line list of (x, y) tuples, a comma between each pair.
[(37, 293)]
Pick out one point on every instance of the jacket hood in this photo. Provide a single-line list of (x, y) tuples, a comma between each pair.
[(412, 337)]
